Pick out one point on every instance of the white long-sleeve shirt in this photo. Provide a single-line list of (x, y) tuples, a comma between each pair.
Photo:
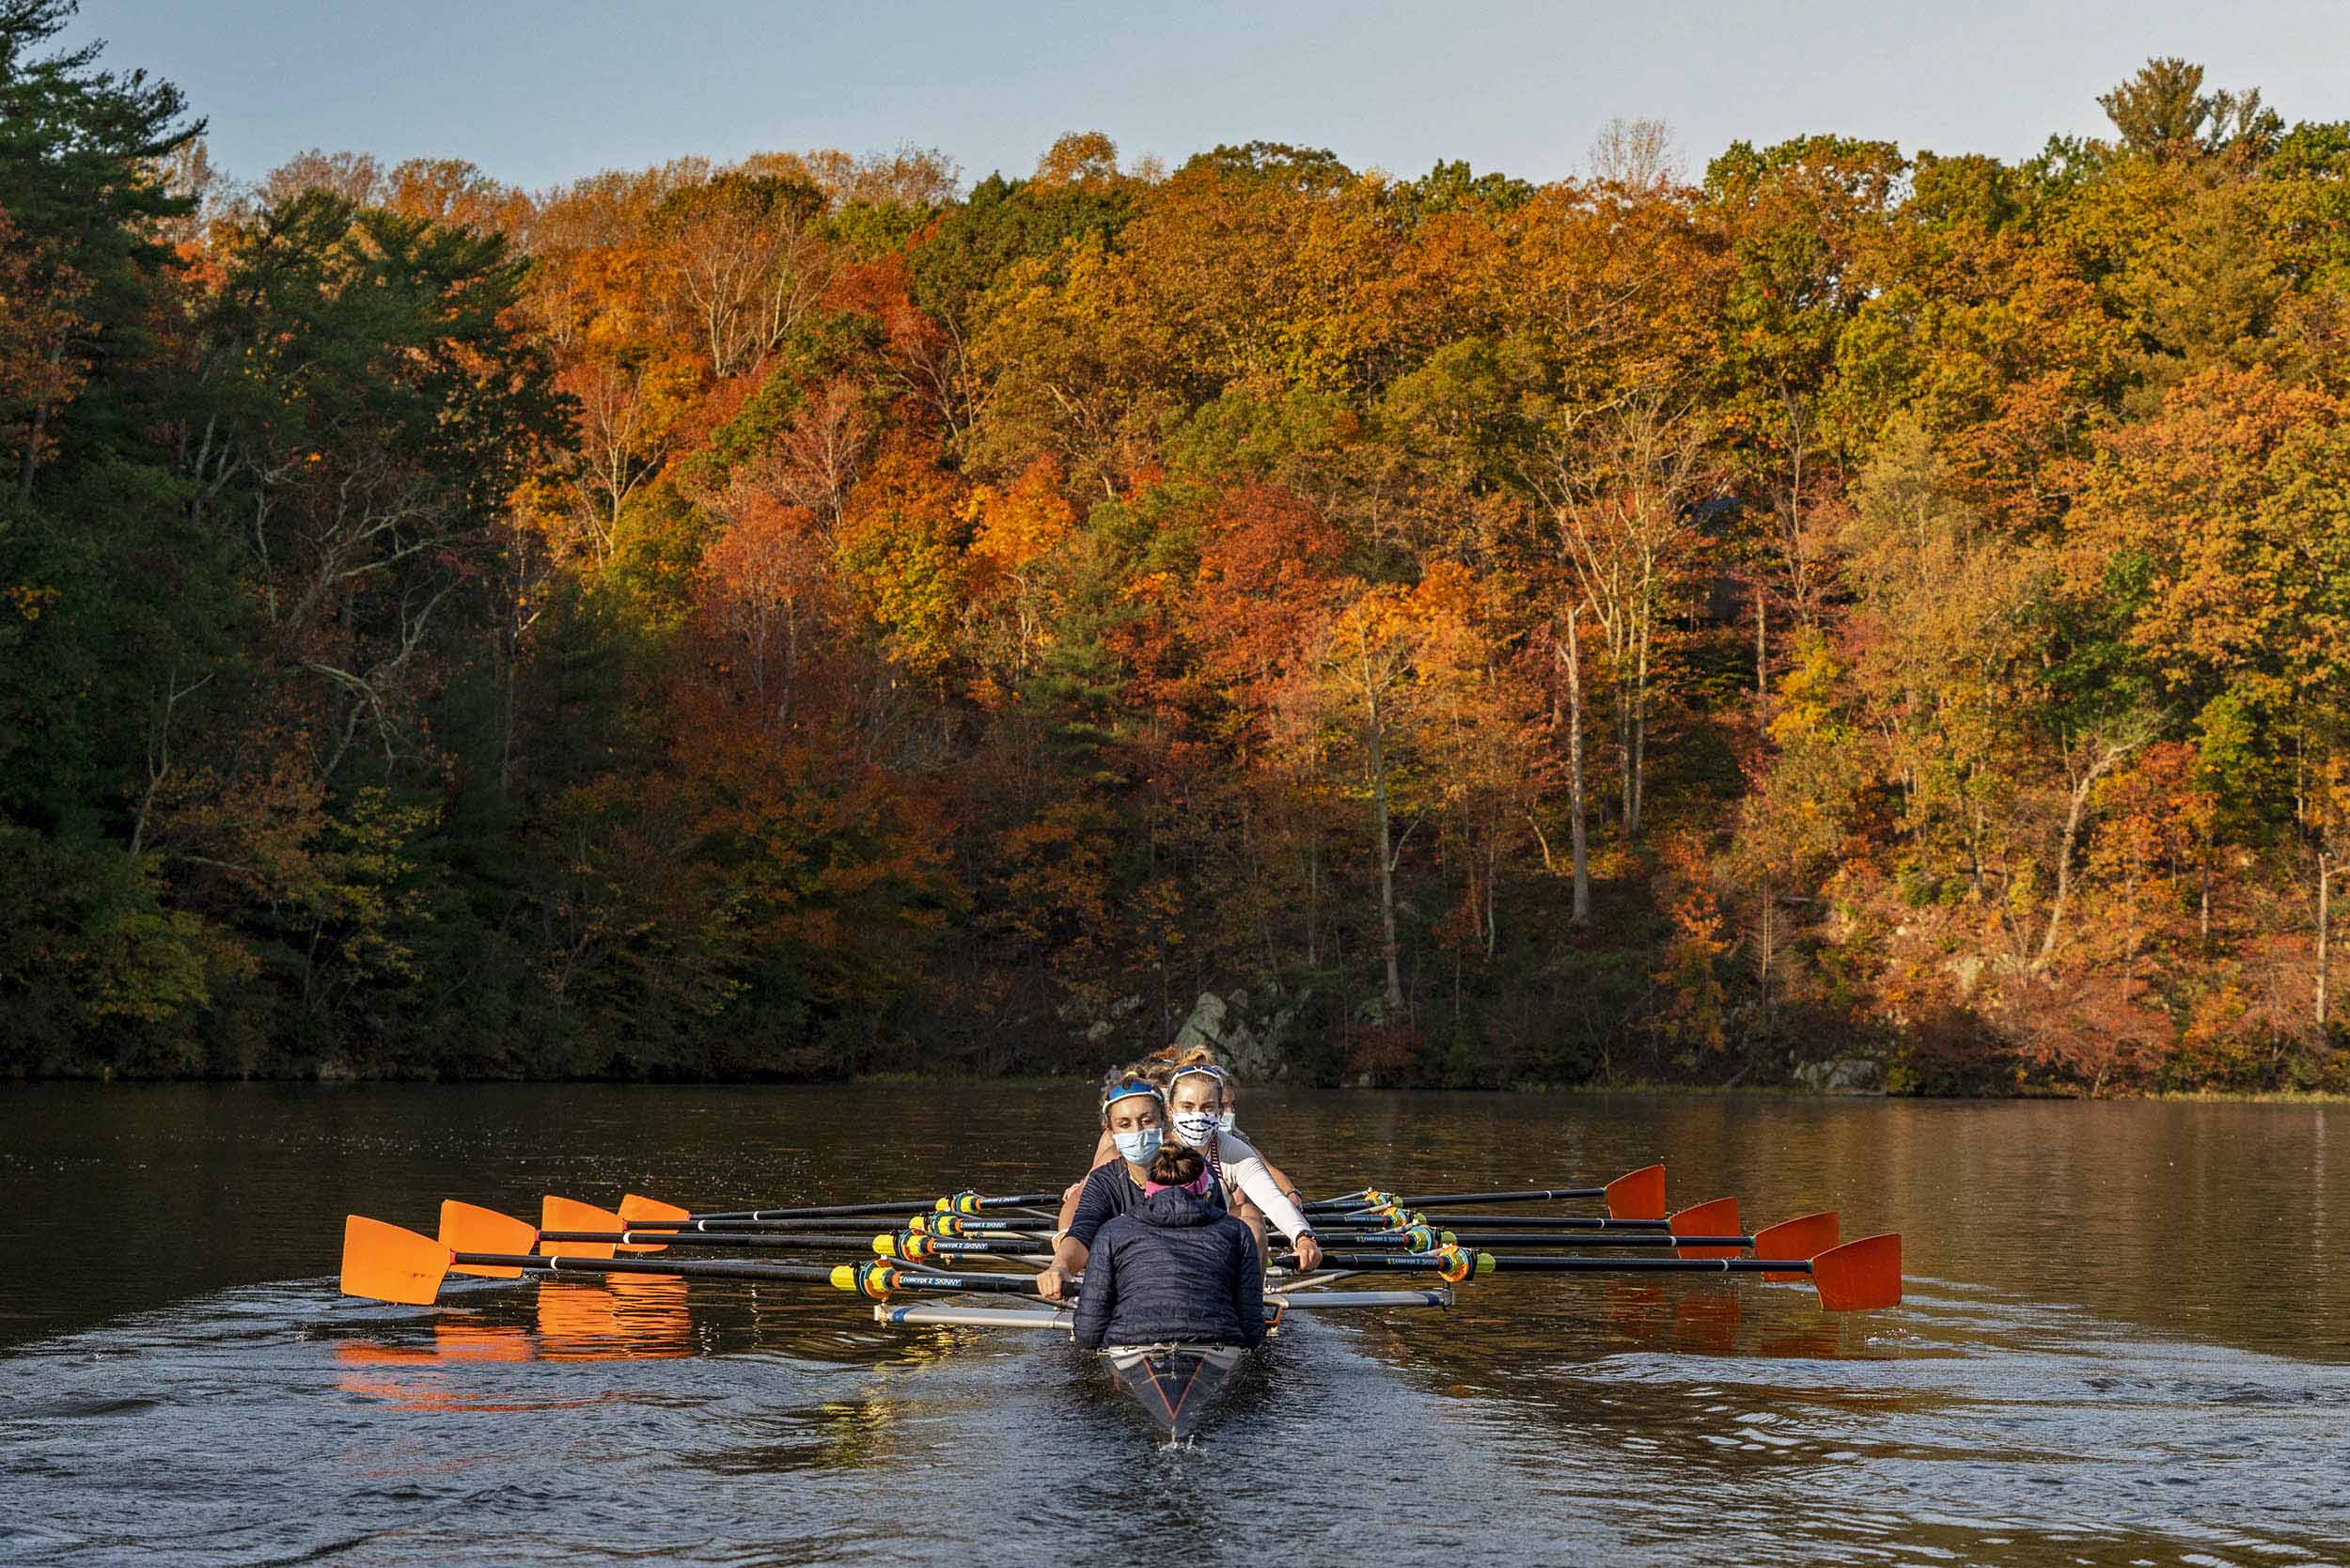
[(1245, 1169)]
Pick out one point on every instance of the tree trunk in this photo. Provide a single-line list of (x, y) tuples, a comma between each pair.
[(2202, 912), (1383, 845), (2324, 922), (1639, 769), (1314, 903), (1576, 819), (2107, 756), (1492, 898), (35, 431)]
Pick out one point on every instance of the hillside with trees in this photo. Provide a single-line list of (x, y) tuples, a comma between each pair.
[(816, 615)]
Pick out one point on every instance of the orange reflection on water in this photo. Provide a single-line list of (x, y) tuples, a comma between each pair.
[(620, 1320), (624, 1320), (422, 1377), (1706, 1322)]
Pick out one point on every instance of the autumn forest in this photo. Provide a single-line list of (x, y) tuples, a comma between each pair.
[(821, 615)]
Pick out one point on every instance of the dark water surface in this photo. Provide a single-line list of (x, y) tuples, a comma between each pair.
[(2126, 1340)]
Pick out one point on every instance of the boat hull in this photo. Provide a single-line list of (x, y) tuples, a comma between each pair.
[(1175, 1385)]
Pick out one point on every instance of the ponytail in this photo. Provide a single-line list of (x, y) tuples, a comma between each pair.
[(1177, 1165)]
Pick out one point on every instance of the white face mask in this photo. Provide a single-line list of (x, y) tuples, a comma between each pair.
[(1197, 1127), (1137, 1148), (1225, 1121)]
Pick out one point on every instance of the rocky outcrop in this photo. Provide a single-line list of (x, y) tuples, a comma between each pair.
[(1250, 1038), (1848, 1075)]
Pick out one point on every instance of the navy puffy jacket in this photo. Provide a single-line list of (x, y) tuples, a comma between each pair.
[(1171, 1268)]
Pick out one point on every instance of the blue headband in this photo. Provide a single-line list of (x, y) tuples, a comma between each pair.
[(1127, 1090)]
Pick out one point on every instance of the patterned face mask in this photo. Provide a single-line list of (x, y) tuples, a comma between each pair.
[(1197, 1127)]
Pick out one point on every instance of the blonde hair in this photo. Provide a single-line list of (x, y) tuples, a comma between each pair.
[(1163, 1064)]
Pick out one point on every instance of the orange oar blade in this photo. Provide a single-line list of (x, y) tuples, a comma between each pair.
[(1860, 1275), (636, 1207), (1805, 1237), (569, 1214), (1718, 1218), (1637, 1196), (470, 1228), (388, 1263)]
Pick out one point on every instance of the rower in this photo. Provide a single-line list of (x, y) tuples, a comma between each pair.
[(1172, 1269), (1134, 1119), (1195, 1100), (1161, 1067)]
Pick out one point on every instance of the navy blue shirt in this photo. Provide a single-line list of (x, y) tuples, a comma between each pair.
[(1109, 1192), (1171, 1269)]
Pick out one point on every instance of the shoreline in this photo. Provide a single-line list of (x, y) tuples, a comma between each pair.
[(1049, 1080)]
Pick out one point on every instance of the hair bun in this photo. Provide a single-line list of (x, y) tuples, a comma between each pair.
[(1177, 1165)]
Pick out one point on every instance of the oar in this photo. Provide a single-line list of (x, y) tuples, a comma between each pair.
[(649, 1213), (648, 1217), (387, 1262), (469, 1227), (960, 1203), (1858, 1276), (1636, 1195), (1374, 1220), (1706, 1230)]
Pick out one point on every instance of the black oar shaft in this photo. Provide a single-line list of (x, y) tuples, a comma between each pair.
[(1533, 1195), (756, 1226), (1525, 1263), (1365, 1261), (682, 1268), (922, 1206), (809, 1240), (1417, 1199), (904, 1279), (1515, 1264), (706, 1238), (1571, 1238), (1373, 1220)]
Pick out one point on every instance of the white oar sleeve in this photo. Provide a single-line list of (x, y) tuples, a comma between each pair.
[(1246, 1169)]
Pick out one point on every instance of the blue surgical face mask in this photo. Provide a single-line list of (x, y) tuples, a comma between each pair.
[(1196, 1127), (1137, 1148), (1225, 1121)]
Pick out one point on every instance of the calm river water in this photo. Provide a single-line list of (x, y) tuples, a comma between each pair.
[(2126, 1340)]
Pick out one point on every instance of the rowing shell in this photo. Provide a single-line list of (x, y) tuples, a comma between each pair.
[(1174, 1384)]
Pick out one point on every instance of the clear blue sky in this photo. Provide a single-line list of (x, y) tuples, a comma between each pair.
[(537, 92)]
